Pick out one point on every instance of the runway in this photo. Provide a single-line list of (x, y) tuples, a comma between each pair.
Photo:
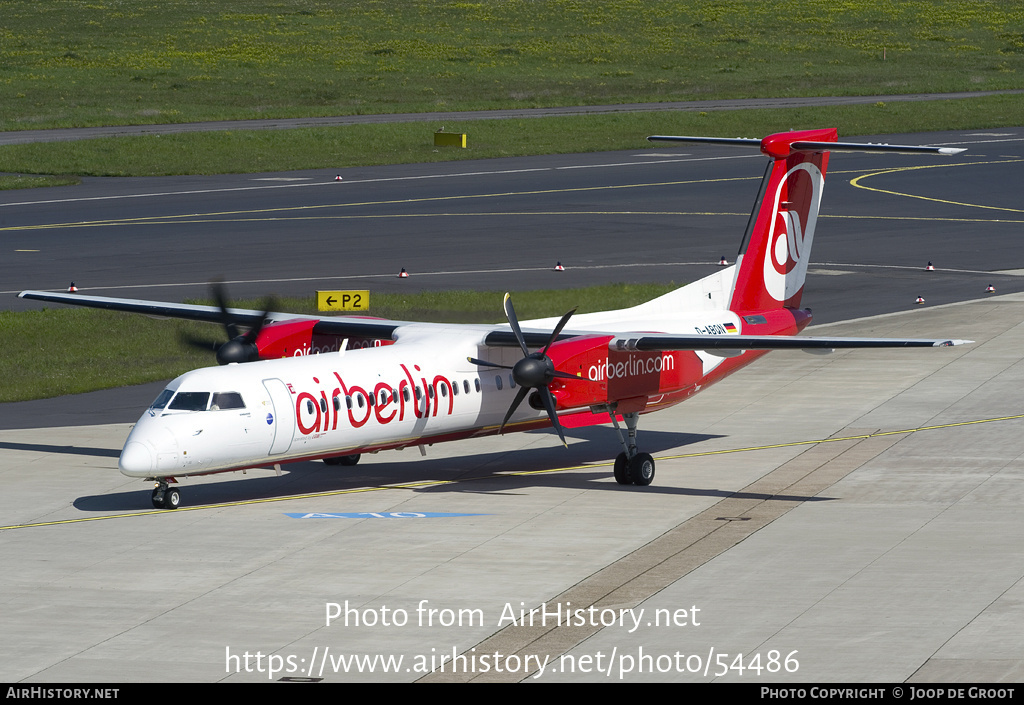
[(845, 518)]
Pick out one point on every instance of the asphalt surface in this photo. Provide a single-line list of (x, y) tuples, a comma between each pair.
[(501, 225)]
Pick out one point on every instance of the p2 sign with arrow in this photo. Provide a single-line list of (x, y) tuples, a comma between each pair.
[(343, 300)]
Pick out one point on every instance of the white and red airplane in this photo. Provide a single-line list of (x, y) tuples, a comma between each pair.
[(380, 384)]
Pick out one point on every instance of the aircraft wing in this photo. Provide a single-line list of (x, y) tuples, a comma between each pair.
[(640, 342), (384, 329), (653, 343), (342, 325)]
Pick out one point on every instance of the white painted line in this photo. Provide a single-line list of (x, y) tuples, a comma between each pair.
[(660, 161), (157, 194), (944, 144), (389, 275)]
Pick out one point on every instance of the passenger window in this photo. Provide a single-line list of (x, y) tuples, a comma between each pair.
[(497, 382), (190, 401), (309, 406), (323, 404), (405, 394), (465, 385), (511, 382), (476, 383), (337, 403), (348, 401), (444, 391)]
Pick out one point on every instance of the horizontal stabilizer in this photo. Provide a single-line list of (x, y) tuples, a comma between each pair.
[(809, 146)]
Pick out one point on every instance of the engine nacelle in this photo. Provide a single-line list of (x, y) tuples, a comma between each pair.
[(611, 375), (298, 337)]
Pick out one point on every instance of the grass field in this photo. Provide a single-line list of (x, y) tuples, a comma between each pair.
[(248, 151), (73, 63)]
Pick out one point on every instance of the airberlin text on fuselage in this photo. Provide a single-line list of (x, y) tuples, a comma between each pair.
[(314, 349), (633, 365), (413, 396)]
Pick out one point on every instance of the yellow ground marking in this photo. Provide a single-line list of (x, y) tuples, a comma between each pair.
[(856, 183), (521, 473)]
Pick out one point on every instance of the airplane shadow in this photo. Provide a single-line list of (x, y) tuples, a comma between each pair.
[(495, 473), (70, 450)]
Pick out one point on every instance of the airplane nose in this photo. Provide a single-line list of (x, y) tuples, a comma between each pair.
[(136, 460)]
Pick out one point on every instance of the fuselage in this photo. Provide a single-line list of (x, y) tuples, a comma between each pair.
[(418, 391)]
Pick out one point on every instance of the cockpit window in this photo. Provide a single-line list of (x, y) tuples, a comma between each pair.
[(190, 401), (227, 400), (161, 401)]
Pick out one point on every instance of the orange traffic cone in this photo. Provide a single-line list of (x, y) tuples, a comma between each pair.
[(920, 300), (723, 263), (930, 267), (559, 267), (990, 289), (403, 274), (72, 289), (338, 177)]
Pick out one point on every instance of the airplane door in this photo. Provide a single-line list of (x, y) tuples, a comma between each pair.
[(283, 419)]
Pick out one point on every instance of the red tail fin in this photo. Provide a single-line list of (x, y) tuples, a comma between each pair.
[(776, 248)]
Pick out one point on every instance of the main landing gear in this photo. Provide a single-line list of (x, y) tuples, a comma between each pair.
[(347, 460), (631, 466), (165, 496)]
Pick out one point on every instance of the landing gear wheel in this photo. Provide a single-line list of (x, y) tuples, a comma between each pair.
[(172, 498), (166, 497), (348, 460), (641, 469), (622, 470)]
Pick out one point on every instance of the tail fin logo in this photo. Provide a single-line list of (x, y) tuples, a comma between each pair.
[(789, 240)]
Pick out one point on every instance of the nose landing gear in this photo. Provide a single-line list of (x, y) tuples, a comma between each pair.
[(166, 497)]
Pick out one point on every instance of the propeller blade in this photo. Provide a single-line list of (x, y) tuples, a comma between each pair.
[(239, 347), (534, 371), (485, 363), (549, 404), (254, 332), (523, 391), (221, 299), (199, 343), (557, 330), (510, 314)]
